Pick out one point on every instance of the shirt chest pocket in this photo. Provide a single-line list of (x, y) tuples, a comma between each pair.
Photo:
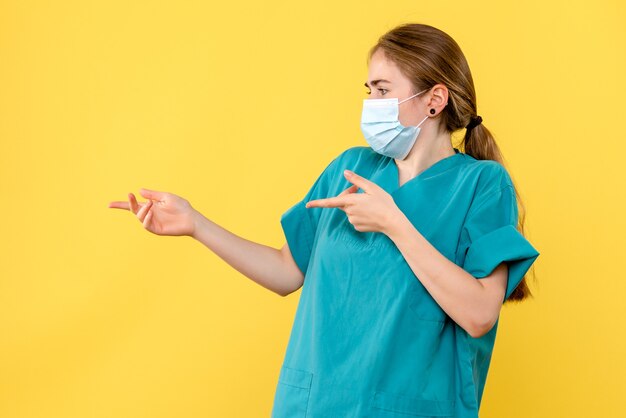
[(359, 241)]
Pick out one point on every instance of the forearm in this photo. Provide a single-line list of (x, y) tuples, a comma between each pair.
[(458, 293), (264, 265)]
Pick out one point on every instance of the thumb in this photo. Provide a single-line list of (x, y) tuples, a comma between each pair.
[(359, 181), (351, 189), (151, 194)]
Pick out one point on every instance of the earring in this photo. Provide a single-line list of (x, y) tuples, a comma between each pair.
[(432, 111)]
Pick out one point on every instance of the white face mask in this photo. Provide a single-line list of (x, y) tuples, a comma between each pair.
[(382, 129)]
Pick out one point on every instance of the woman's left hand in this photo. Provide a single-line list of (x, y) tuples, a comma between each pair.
[(371, 211)]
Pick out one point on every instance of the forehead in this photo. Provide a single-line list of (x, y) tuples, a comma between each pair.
[(381, 70)]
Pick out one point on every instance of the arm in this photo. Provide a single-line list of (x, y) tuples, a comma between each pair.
[(271, 268), (471, 303), (498, 257)]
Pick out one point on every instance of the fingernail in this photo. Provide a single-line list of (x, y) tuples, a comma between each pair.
[(348, 172)]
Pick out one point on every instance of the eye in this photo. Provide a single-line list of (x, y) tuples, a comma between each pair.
[(381, 90)]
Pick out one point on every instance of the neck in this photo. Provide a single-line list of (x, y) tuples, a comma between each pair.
[(426, 151)]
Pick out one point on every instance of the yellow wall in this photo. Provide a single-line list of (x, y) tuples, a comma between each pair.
[(238, 107)]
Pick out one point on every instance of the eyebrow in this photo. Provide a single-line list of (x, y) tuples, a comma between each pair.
[(374, 82)]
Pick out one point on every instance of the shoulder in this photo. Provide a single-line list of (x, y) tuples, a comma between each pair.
[(488, 183), (346, 159), (356, 153), (487, 176), (331, 180), (353, 156)]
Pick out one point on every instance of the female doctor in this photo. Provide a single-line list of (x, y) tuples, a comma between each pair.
[(405, 249)]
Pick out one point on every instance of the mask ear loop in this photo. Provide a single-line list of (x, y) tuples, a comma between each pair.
[(416, 94), (409, 98), (418, 125)]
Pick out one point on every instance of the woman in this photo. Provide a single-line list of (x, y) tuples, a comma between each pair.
[(388, 246)]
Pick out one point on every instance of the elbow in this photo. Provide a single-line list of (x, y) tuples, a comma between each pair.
[(297, 284), (290, 285), (479, 328), (284, 292), (476, 332), (292, 278)]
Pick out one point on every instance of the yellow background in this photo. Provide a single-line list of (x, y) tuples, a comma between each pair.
[(238, 107)]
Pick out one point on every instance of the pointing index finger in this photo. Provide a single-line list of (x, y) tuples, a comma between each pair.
[(331, 202)]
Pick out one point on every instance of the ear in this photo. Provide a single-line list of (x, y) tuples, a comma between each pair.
[(438, 98)]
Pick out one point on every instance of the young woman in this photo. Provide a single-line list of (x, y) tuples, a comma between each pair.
[(405, 249)]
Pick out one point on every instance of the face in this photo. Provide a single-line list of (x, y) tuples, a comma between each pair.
[(385, 80)]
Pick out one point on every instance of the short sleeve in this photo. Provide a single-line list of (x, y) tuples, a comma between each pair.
[(300, 223), (494, 238)]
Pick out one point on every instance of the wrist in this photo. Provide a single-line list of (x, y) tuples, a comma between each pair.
[(394, 224), (196, 224)]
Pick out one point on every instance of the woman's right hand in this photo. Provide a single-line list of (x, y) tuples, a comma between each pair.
[(163, 214)]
